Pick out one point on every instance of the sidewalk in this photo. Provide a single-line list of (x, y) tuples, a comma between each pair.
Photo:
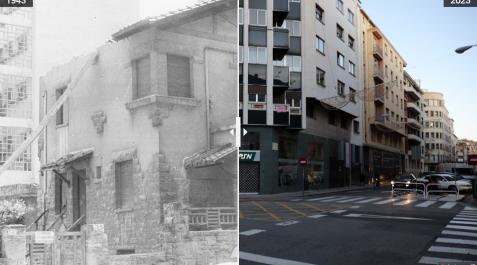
[(298, 194)]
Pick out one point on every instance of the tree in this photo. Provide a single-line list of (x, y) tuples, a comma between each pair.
[(12, 211)]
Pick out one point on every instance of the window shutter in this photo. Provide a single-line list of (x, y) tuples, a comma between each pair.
[(178, 76)]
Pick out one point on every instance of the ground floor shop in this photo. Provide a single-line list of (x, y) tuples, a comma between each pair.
[(383, 164), (269, 161)]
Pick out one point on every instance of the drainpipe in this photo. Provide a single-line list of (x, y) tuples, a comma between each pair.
[(45, 150), (207, 99)]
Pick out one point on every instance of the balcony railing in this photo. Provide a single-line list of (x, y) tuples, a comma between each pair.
[(379, 94), (378, 73), (392, 125), (257, 106), (213, 218), (377, 52), (414, 123), (413, 106), (281, 43), (295, 110), (413, 137)]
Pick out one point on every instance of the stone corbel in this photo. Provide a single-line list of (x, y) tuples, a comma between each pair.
[(158, 114), (99, 119)]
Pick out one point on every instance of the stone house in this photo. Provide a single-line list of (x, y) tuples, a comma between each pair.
[(144, 143)]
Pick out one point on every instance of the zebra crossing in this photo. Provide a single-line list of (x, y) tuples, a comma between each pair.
[(457, 242), (442, 203)]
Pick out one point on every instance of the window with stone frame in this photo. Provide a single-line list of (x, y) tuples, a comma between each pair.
[(60, 114), (178, 76), (124, 183), (142, 77)]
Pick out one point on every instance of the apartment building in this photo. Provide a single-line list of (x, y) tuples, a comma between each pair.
[(299, 80), (270, 93), (18, 95), (438, 130), (464, 148), (142, 146), (415, 146), (384, 107)]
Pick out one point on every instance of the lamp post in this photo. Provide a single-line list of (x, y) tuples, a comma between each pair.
[(462, 49)]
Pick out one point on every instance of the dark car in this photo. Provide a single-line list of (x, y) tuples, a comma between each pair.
[(405, 181)]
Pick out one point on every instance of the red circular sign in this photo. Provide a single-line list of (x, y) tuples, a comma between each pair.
[(302, 161)]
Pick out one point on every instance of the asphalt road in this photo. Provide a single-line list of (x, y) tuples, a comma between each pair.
[(366, 227)]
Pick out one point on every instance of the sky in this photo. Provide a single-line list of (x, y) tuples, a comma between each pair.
[(68, 28), (426, 34)]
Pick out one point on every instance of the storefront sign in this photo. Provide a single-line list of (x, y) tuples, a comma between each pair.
[(473, 160), (249, 156)]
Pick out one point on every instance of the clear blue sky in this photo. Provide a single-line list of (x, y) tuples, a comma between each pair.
[(426, 34)]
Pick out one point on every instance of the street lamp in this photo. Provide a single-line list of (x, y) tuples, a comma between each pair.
[(462, 49)]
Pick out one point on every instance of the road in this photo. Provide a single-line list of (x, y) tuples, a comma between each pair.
[(360, 227)]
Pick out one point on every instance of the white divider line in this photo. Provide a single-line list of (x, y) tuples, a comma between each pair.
[(352, 199), (335, 199), (320, 198), (251, 232), (268, 260), (383, 216), (339, 211), (462, 227), (447, 205), (463, 222), (316, 216), (466, 251), (370, 200), (387, 201), (435, 260), (456, 241), (426, 204), (459, 233), (287, 223)]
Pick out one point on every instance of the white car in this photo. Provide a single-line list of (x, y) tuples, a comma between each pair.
[(446, 182)]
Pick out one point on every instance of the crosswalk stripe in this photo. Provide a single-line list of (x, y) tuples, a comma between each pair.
[(316, 216), (468, 251), (463, 222), (336, 199), (447, 205), (426, 204), (339, 211), (464, 218), (404, 202), (352, 199), (456, 241), (251, 232), (468, 214), (470, 208), (459, 233), (320, 198), (386, 201), (462, 227), (435, 260), (370, 200)]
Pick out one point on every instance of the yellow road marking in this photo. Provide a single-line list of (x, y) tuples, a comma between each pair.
[(267, 211), (318, 209), (291, 209)]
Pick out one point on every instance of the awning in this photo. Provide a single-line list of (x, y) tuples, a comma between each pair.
[(209, 157), (68, 158)]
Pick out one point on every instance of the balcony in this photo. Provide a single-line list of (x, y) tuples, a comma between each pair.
[(281, 43), (281, 76), (378, 74), (280, 11), (413, 107), (377, 52), (412, 92), (257, 113), (281, 114), (414, 123), (386, 125), (414, 139), (213, 218), (379, 94)]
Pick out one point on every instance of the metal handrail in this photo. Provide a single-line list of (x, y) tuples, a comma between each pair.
[(423, 191), (456, 191), (36, 220)]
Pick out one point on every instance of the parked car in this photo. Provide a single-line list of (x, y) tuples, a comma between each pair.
[(444, 181)]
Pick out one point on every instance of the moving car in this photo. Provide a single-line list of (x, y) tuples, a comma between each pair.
[(406, 181), (444, 181)]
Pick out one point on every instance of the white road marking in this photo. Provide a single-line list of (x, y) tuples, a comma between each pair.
[(370, 200), (355, 206), (404, 202), (320, 198), (435, 260), (251, 232), (447, 205), (470, 208), (469, 214), (463, 222), (339, 211), (383, 216), (462, 227), (456, 241), (268, 260), (386, 201), (426, 204), (335, 199), (468, 251), (317, 216), (464, 218), (352, 199), (459, 233), (296, 200), (287, 223)]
